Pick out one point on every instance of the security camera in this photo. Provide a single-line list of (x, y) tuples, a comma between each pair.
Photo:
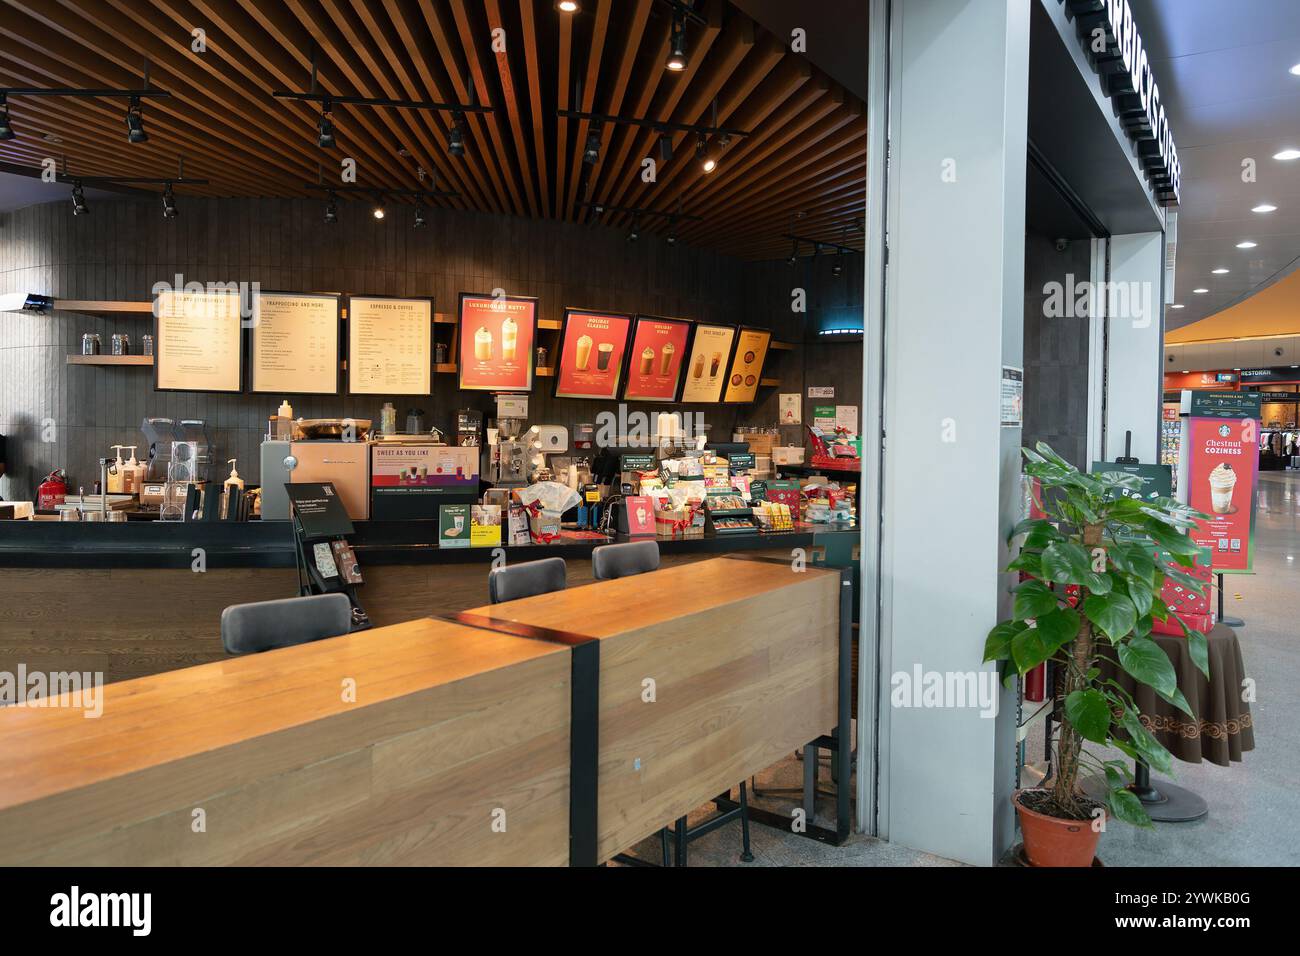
[(1277, 352), (1171, 358), (1062, 245)]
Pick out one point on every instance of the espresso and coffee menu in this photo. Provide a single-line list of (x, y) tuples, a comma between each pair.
[(197, 342), (655, 359), (707, 369), (591, 354), (389, 346), (497, 334), (295, 344), (747, 366)]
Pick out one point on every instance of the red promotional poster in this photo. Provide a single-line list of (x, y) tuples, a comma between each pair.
[(1223, 456), (654, 366), (497, 334), (640, 515), (592, 347)]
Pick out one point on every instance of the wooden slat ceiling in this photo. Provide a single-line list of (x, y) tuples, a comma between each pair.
[(806, 155)]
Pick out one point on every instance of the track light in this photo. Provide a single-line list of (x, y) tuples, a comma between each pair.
[(135, 122), (6, 130), (325, 127), (635, 232), (591, 155), (169, 202), (79, 207), (456, 135), (331, 209), (677, 58), (707, 162), (378, 212), (568, 6), (794, 252), (837, 269), (419, 217), (665, 148)]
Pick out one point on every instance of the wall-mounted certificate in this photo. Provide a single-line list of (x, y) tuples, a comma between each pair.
[(390, 343), (747, 365), (497, 334), (294, 344), (592, 346), (654, 367), (707, 369), (197, 342)]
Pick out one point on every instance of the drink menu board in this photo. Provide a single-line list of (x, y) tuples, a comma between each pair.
[(592, 347), (707, 369), (197, 342), (1223, 455), (389, 346), (497, 334), (295, 344), (655, 359), (747, 366)]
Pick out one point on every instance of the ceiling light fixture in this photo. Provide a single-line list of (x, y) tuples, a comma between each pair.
[(677, 58), (591, 154), (1246, 245), (325, 127), (1219, 272), (169, 202), (331, 209), (568, 6), (6, 129), (135, 122), (79, 207), (378, 212), (635, 232), (419, 216), (1295, 70), (707, 163), (456, 135), (1264, 207), (1287, 155), (1200, 291), (794, 252), (1174, 305), (665, 148)]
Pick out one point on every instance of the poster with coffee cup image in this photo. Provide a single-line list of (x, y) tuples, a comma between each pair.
[(1223, 458), (655, 359), (592, 348), (747, 365), (496, 338), (707, 369)]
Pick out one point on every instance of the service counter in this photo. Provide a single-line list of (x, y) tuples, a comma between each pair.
[(138, 598)]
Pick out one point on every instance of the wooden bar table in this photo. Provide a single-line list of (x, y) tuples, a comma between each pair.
[(708, 673), (420, 743)]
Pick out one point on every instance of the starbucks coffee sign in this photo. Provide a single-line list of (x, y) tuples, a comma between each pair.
[(1111, 39)]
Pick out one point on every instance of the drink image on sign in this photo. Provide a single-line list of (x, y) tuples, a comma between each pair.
[(647, 360), (458, 525), (714, 364), (509, 339), (584, 352), (666, 358), (483, 344), (698, 370), (603, 354), (1222, 480)]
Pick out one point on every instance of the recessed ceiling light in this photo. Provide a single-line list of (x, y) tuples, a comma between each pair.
[(1200, 291), (1185, 371), (1219, 272), (1264, 207), (1175, 305), (1295, 70), (1246, 245), (1287, 155)]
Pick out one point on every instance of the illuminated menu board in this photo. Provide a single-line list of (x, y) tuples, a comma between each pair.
[(655, 359), (591, 354), (747, 366), (390, 346), (197, 342), (497, 334), (707, 369), (295, 344)]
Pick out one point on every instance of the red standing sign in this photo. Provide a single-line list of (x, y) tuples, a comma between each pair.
[(654, 367), (497, 334), (1223, 455)]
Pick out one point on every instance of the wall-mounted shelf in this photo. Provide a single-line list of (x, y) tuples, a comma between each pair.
[(102, 306), (769, 382), (543, 372), (447, 368), (782, 346), (553, 325), (110, 360)]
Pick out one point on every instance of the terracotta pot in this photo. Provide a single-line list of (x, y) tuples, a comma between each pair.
[(1051, 841)]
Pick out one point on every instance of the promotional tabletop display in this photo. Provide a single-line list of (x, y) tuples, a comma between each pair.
[(592, 348), (497, 335), (454, 526), (707, 369), (294, 344), (655, 359), (390, 346), (1222, 461), (747, 365)]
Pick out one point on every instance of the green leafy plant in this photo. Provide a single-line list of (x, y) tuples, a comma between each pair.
[(1105, 543)]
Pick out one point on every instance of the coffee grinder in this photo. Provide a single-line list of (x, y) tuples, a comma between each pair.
[(508, 445)]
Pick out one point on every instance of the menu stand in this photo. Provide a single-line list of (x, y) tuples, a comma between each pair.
[(1230, 621)]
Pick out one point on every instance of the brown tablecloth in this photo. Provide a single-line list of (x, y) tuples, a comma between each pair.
[(1223, 730)]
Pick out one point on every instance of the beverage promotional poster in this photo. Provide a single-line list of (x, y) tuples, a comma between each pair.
[(591, 355), (640, 515), (496, 343), (707, 369), (454, 526), (655, 359), (1223, 455), (485, 526), (747, 367)]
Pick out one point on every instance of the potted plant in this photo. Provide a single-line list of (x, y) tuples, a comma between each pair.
[(1092, 576)]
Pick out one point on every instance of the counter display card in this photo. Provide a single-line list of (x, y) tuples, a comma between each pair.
[(485, 526), (390, 346), (295, 344), (197, 342), (592, 347), (319, 509), (497, 335), (454, 526), (707, 369), (1223, 457), (655, 359), (747, 365)]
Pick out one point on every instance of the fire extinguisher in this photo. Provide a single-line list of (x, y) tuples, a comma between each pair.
[(52, 490)]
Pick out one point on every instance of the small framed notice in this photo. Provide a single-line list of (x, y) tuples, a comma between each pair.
[(390, 346), (198, 342), (294, 344)]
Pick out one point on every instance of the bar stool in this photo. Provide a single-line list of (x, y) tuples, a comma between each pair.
[(525, 580), (267, 625), (611, 561)]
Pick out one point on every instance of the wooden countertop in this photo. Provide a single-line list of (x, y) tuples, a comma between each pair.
[(169, 717), (609, 608)]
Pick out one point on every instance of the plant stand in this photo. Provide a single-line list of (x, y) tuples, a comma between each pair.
[(1167, 803)]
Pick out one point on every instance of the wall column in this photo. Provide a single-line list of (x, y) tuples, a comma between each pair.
[(1134, 333)]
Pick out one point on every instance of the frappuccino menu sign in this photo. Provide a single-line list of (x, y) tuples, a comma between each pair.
[(389, 346), (197, 342), (295, 344)]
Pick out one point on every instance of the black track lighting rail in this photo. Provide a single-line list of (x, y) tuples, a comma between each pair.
[(372, 101), (601, 208), (6, 91), (384, 191), (819, 244), (661, 126), (683, 9)]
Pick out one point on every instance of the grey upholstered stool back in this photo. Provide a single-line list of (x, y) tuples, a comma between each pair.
[(266, 625), (525, 580), (621, 560)]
